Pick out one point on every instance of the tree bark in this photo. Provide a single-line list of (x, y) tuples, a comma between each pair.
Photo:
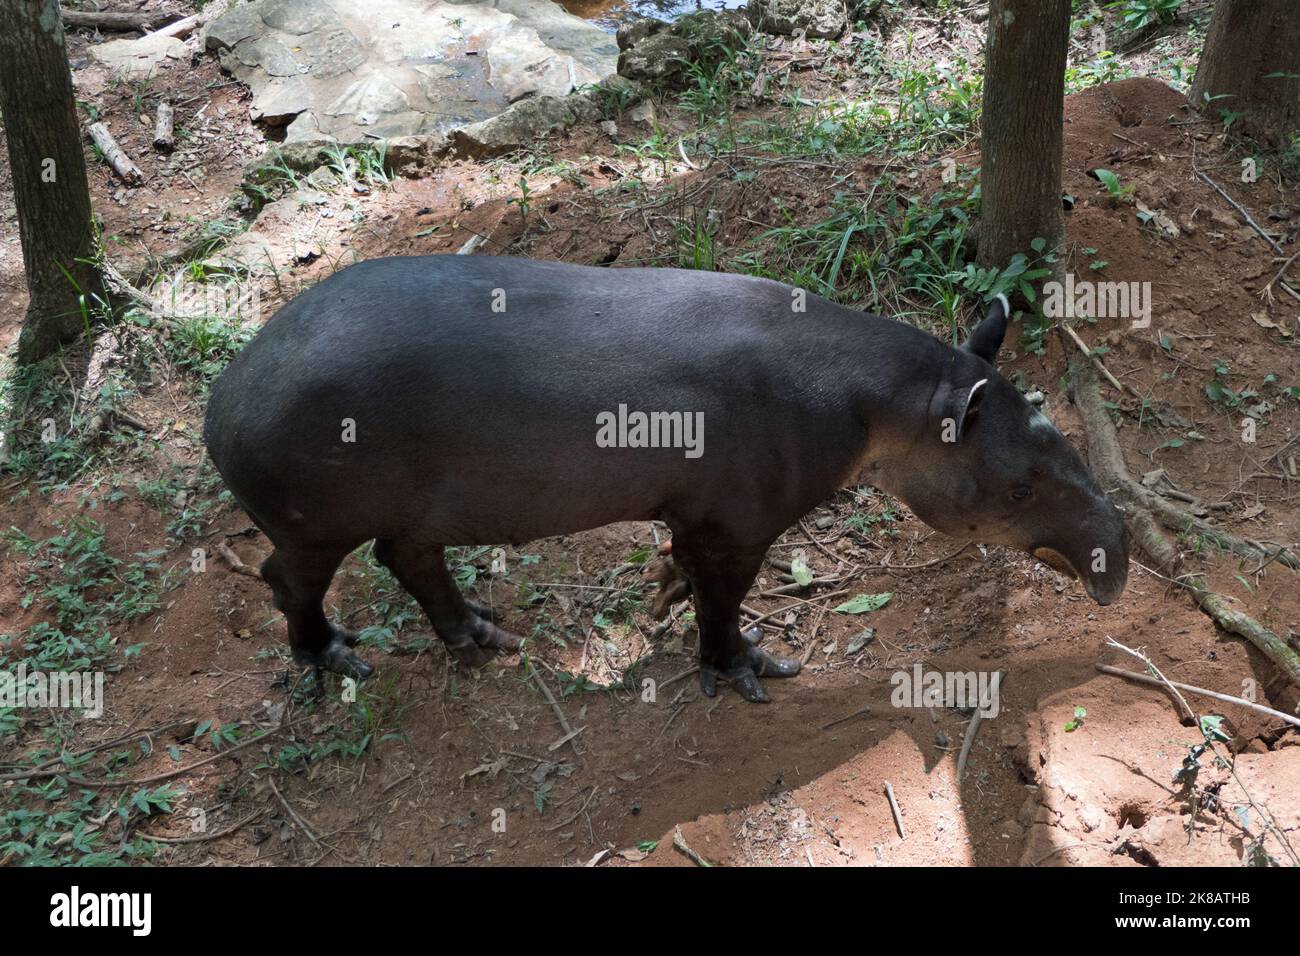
[(49, 174), (1248, 40), (1022, 139)]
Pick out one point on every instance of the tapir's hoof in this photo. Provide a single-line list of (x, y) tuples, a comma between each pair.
[(744, 675), (480, 641), (337, 657)]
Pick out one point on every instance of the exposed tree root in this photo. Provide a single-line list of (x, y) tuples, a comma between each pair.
[(1176, 519), (1144, 512)]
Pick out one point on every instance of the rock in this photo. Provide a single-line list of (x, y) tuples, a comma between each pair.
[(535, 116), (239, 23), (630, 34), (816, 18), (359, 70), (521, 123), (408, 154), (323, 177), (605, 100), (139, 58), (520, 64), (659, 53), (642, 113)]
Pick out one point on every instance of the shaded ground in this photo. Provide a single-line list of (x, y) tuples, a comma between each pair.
[(431, 757)]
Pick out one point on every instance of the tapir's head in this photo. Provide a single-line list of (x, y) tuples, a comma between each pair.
[(990, 467)]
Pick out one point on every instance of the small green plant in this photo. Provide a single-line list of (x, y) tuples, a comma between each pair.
[(360, 167), (1076, 721), (1105, 67), (523, 200), (1117, 191), (1140, 14)]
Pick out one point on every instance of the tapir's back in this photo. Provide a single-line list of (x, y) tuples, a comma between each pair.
[(451, 388)]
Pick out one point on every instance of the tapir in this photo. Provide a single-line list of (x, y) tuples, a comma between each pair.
[(422, 402)]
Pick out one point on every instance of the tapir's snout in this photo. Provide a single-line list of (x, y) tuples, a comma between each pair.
[(1096, 554)]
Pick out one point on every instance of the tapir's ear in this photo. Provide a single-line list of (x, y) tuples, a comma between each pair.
[(971, 406), (987, 337), (956, 409)]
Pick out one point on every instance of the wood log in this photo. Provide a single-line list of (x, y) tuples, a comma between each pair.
[(115, 21), (164, 131), (181, 28), (122, 165)]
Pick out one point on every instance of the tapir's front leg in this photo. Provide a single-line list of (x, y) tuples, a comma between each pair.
[(720, 577)]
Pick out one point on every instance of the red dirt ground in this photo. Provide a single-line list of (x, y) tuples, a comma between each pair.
[(800, 781)]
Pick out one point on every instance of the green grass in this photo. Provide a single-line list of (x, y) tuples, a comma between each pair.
[(90, 596)]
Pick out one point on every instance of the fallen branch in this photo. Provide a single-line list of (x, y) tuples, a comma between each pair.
[(1224, 698), (236, 563), (680, 845), (159, 777), (181, 28), (893, 808), (559, 714), (1242, 209), (205, 837), (972, 729), (565, 822), (925, 564), (121, 163), (114, 21), (1083, 347), (1267, 291), (41, 770), (298, 821), (164, 131), (847, 717), (1108, 462)]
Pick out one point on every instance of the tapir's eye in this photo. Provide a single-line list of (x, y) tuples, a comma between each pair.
[(1021, 492)]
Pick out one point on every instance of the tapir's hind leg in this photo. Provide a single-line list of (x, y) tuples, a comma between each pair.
[(299, 580), (466, 628), (720, 577)]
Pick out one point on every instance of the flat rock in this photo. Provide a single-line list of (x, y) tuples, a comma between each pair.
[(139, 58), (359, 70)]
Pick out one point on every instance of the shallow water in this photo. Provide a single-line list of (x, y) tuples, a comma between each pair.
[(611, 13)]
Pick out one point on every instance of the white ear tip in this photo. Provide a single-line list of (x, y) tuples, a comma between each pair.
[(1006, 305)]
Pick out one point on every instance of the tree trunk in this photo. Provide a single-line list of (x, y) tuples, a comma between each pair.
[(1248, 40), (49, 174), (1023, 135)]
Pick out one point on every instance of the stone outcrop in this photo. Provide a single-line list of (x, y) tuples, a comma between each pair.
[(814, 18), (360, 70), (660, 53)]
